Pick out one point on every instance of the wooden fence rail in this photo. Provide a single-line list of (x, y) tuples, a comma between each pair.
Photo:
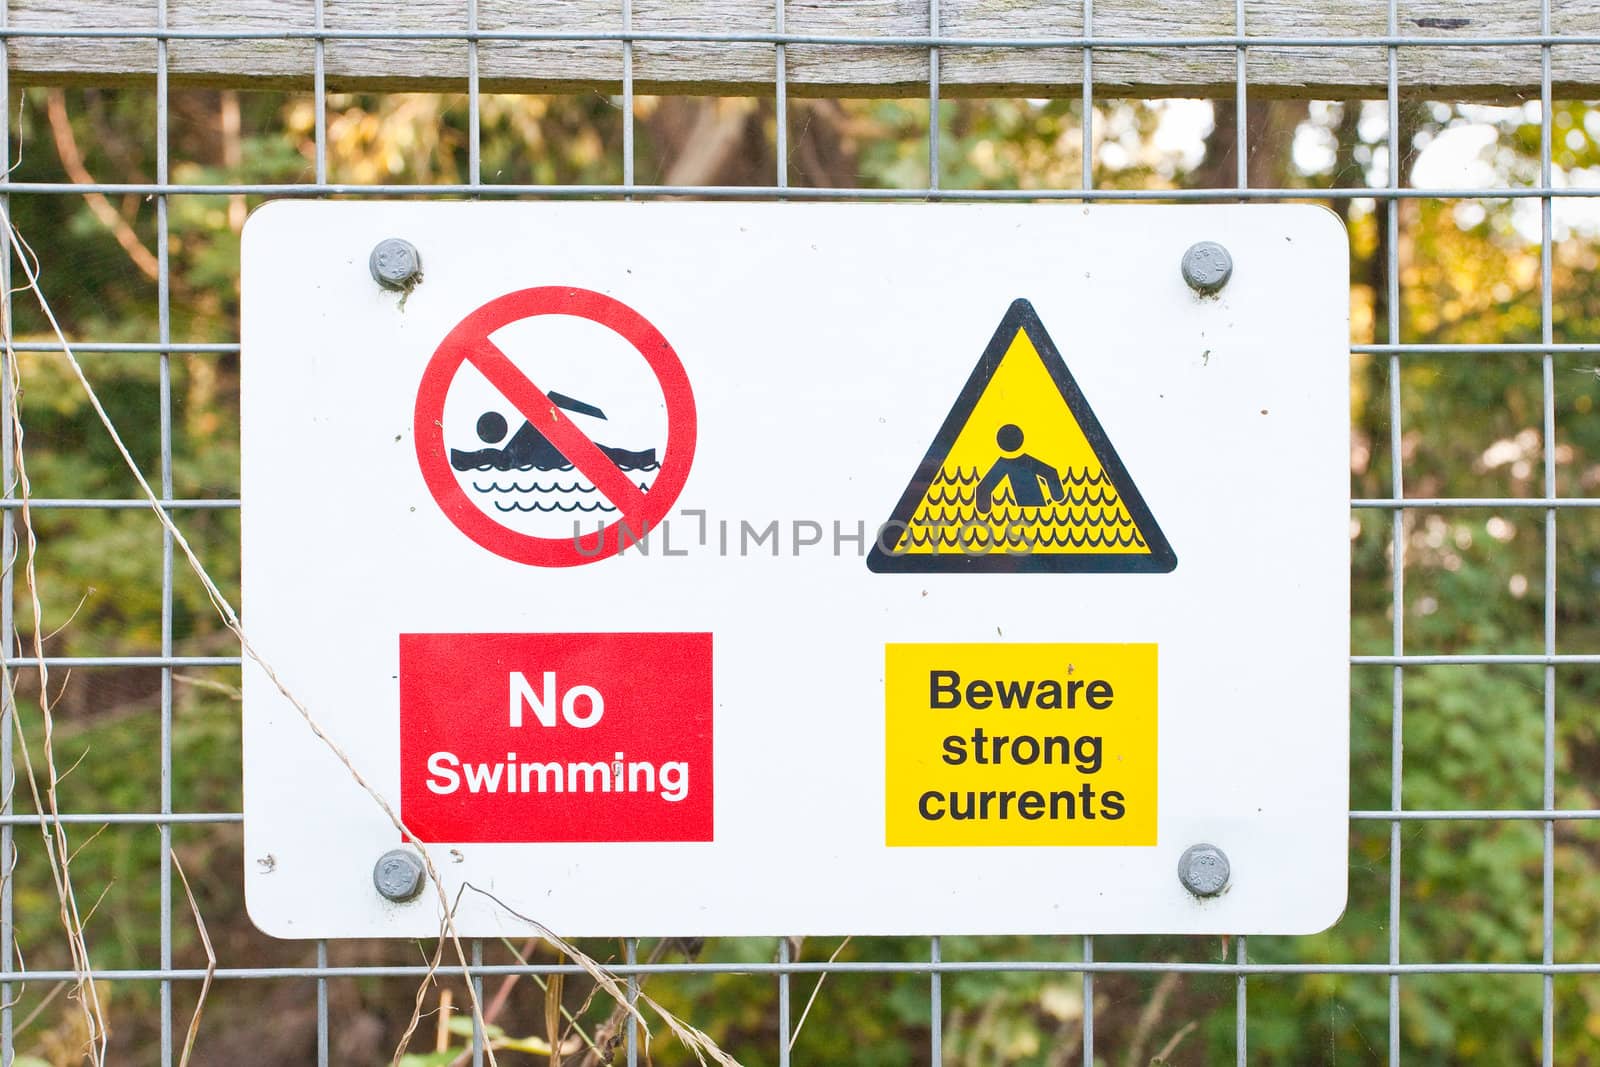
[(273, 46)]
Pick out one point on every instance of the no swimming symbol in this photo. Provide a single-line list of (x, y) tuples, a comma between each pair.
[(549, 442)]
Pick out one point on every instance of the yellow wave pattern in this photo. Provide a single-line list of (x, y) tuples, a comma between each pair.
[(1092, 519)]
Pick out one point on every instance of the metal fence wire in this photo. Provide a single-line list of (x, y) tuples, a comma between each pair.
[(1415, 868)]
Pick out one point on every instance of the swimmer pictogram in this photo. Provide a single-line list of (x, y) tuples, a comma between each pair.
[(528, 451), (1021, 476), (491, 480)]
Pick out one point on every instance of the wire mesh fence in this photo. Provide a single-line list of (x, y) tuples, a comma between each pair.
[(1470, 934)]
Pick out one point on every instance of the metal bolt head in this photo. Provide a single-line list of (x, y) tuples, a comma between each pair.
[(1207, 267), (399, 875), (395, 263), (1203, 870)]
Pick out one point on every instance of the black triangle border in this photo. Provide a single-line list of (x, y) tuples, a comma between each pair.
[(1021, 316)]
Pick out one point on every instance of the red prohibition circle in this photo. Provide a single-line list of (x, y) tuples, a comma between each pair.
[(639, 511)]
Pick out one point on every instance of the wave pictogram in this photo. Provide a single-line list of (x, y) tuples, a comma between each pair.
[(1091, 516), (576, 505), (536, 486)]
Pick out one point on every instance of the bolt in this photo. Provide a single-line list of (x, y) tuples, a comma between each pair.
[(1203, 870), (399, 875), (1207, 267), (395, 263)]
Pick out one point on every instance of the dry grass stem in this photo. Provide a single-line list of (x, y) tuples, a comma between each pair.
[(812, 999), (211, 963), (422, 994), (696, 1041), (552, 1014), (38, 1009), (58, 850)]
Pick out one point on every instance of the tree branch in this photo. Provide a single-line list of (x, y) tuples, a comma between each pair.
[(99, 206)]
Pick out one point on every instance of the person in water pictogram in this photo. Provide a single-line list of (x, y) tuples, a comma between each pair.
[(1030, 478), (528, 448)]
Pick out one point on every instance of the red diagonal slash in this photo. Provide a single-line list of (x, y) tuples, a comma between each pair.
[(556, 427)]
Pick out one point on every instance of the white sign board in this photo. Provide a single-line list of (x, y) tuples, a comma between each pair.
[(733, 569)]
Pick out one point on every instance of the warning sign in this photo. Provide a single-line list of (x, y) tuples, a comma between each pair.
[(532, 473), (1021, 476), (720, 406), (556, 737), (1020, 744)]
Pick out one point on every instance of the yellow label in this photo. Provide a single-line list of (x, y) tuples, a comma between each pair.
[(1020, 744)]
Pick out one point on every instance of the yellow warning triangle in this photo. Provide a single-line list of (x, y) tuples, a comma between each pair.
[(1021, 477)]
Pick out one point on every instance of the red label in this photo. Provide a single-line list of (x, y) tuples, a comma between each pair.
[(556, 737)]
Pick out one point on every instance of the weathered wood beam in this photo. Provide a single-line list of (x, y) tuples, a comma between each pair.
[(281, 52)]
